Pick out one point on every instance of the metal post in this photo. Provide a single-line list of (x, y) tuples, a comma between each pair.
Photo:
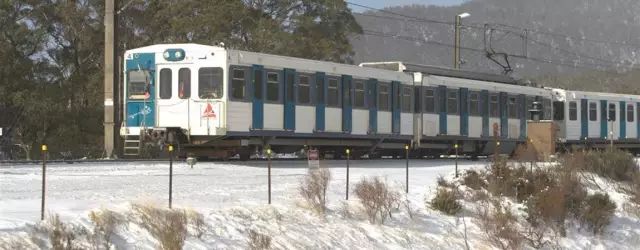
[(44, 178), (170, 174), (269, 174), (347, 186), (109, 82), (456, 147), (406, 157)]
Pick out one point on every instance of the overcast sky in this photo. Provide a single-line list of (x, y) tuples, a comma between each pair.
[(379, 4)]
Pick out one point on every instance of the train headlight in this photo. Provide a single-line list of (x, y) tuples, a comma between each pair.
[(174, 55)]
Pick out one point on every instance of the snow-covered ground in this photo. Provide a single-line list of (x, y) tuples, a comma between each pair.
[(233, 198)]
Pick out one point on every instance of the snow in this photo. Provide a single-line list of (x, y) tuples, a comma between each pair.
[(233, 199)]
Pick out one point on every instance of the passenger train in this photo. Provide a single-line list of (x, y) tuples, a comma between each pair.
[(211, 101)]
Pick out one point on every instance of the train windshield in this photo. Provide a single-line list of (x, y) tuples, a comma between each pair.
[(138, 84)]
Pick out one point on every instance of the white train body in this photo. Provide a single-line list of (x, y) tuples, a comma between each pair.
[(235, 101)]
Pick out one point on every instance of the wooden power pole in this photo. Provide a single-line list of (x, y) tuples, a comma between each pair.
[(109, 78)]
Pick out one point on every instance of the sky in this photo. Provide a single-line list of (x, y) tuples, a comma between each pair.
[(379, 4)]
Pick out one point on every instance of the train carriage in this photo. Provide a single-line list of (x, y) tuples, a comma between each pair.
[(595, 119), (214, 100)]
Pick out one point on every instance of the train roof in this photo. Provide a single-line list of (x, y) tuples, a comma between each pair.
[(441, 71)]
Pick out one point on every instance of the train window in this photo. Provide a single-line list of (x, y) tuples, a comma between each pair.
[(210, 83), (474, 103), (273, 87), (238, 84), (630, 113), (546, 109), (290, 82), (406, 99), (429, 101), (593, 111), (138, 86), (494, 108), (165, 84), (612, 112), (304, 96), (320, 90), (332, 93), (513, 107), (452, 101), (383, 96), (184, 83), (257, 84), (573, 111), (358, 99), (558, 111)]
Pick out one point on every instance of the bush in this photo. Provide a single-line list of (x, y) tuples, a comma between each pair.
[(445, 201), (444, 183), (597, 212), (106, 222), (548, 208), (169, 227), (615, 164), (376, 198), (474, 180), (258, 241), (314, 188), (499, 224)]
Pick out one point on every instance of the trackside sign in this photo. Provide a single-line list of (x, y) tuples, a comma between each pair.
[(313, 157)]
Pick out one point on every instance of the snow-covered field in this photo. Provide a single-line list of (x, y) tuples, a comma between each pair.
[(233, 199)]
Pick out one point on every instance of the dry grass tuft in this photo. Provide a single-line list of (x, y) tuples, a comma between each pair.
[(258, 241), (106, 223), (169, 227), (313, 189), (377, 199)]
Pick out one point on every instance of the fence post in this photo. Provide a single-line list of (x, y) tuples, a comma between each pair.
[(44, 178), (347, 187), (406, 156), (269, 173), (170, 174), (456, 147)]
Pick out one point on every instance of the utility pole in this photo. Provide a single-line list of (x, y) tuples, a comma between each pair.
[(109, 79)]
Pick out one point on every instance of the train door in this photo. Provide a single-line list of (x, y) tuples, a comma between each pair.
[(174, 94), (395, 107), (289, 99), (631, 121), (205, 104), (372, 103), (257, 89), (347, 96), (140, 98)]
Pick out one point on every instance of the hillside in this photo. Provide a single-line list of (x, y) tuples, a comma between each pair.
[(564, 38)]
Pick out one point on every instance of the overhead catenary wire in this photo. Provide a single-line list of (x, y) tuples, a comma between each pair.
[(408, 18)]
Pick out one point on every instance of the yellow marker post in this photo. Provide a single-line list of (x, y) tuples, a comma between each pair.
[(44, 178), (456, 147), (406, 157), (347, 187), (170, 148), (269, 174)]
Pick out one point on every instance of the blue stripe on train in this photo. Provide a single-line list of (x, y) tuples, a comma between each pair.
[(504, 118), (442, 106), (464, 111), (372, 103), (347, 99), (289, 99)]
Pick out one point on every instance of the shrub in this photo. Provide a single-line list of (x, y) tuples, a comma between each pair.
[(376, 198), (473, 180), (258, 241), (169, 227), (61, 236), (196, 222), (444, 183), (445, 201), (314, 188), (106, 222), (615, 164), (548, 208), (597, 212), (499, 224)]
